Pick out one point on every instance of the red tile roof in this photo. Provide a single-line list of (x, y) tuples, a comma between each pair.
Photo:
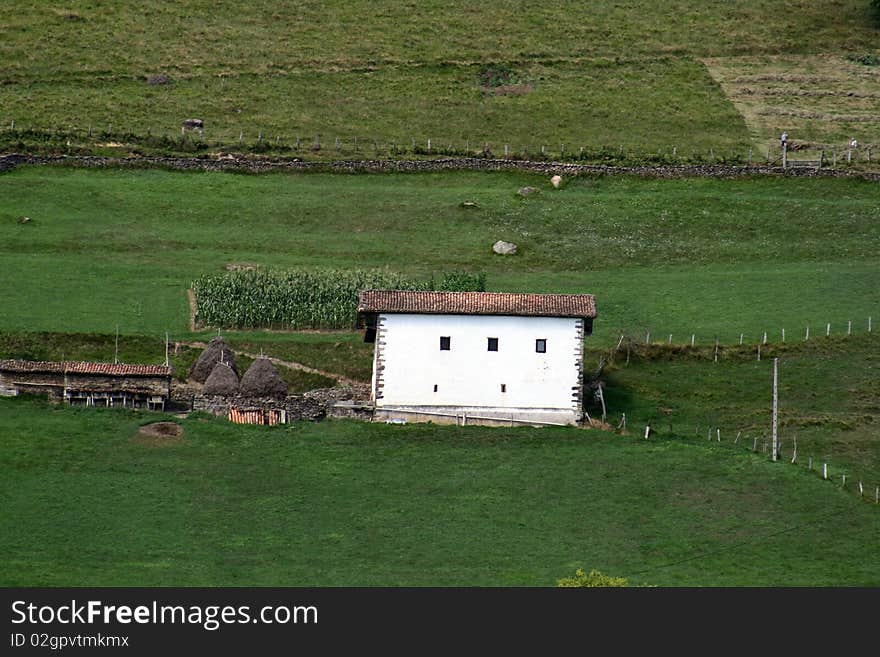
[(477, 303), (104, 369)]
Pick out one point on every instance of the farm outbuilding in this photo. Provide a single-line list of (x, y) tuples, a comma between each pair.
[(477, 357), (90, 384)]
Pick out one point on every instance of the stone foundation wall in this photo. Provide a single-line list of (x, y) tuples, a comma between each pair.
[(314, 405)]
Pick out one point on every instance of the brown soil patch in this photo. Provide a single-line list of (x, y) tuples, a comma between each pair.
[(595, 423), (193, 307), (159, 434), (511, 89)]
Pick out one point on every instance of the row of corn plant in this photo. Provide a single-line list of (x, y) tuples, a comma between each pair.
[(304, 299)]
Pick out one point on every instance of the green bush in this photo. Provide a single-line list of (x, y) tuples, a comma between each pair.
[(591, 580), (866, 59), (460, 281), (300, 299)]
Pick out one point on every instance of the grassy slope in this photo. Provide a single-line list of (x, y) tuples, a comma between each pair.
[(822, 100), (347, 504), (408, 70), (150, 349), (682, 256), (828, 398)]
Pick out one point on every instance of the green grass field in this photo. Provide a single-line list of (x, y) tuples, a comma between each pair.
[(603, 73), (705, 256), (828, 398), (86, 502)]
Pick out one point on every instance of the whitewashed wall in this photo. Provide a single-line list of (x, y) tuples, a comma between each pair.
[(411, 363)]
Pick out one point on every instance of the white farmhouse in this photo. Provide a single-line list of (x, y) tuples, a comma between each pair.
[(477, 357)]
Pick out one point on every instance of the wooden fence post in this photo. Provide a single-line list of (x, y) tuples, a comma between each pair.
[(775, 423)]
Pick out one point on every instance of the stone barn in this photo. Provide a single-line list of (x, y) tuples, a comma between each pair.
[(477, 357), (90, 384)]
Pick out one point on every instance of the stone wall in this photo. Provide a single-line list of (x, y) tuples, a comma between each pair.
[(314, 405), (261, 165)]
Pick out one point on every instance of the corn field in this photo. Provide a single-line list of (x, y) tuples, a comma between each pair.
[(303, 299)]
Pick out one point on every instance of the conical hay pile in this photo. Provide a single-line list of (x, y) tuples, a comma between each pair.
[(217, 348), (223, 381), (263, 380)]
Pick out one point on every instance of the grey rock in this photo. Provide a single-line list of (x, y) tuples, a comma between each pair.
[(504, 248)]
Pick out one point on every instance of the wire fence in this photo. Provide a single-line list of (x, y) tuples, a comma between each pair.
[(748, 438), (195, 137), (766, 340)]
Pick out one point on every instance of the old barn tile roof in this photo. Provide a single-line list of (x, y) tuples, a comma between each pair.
[(477, 303), (102, 369)]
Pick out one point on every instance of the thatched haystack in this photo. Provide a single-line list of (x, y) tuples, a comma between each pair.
[(263, 380), (223, 381), (216, 351)]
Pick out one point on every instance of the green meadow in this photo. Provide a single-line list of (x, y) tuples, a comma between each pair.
[(89, 502), (711, 257), (641, 76)]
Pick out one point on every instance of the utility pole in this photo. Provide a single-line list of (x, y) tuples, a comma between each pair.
[(775, 408), (116, 352), (166, 348)]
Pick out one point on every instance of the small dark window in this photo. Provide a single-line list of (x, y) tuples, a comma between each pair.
[(541, 345), (444, 343), (493, 344), (435, 387), (503, 387)]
